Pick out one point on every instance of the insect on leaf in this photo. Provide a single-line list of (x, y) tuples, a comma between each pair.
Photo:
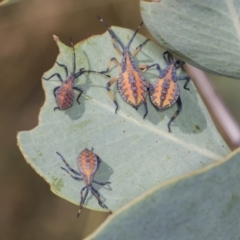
[(136, 153), (204, 33), (202, 205)]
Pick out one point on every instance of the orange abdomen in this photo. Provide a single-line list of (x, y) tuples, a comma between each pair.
[(87, 163), (164, 93), (65, 96), (132, 85)]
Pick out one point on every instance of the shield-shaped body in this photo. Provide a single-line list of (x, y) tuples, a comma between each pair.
[(65, 94), (88, 163), (164, 92), (131, 83)]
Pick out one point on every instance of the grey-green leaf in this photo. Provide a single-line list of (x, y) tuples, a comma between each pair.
[(137, 153), (203, 33), (202, 205)]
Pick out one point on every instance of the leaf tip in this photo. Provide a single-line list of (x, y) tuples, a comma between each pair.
[(56, 38)]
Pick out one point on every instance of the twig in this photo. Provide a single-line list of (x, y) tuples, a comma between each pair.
[(225, 122)]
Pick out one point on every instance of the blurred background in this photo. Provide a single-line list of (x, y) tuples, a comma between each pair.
[(28, 209)]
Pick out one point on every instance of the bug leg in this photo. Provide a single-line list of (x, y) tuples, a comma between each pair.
[(54, 91), (101, 183), (187, 78), (64, 66), (110, 93), (146, 109), (55, 74), (75, 177), (97, 195), (82, 200), (56, 108), (67, 165), (80, 93), (112, 60), (179, 105), (144, 68), (138, 49), (168, 57), (81, 71)]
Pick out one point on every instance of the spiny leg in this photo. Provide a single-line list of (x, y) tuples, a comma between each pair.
[(55, 74), (179, 105), (97, 195), (75, 177), (81, 71), (74, 56), (82, 200), (146, 109), (110, 93), (179, 63), (138, 49), (187, 78), (92, 71), (146, 67), (54, 91), (56, 108), (110, 63), (67, 165), (168, 57), (101, 183), (80, 93), (64, 66)]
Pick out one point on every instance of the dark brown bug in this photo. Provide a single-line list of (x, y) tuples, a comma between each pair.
[(64, 94), (164, 92), (131, 83), (88, 163)]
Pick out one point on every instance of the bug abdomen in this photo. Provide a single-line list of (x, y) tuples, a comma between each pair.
[(87, 163), (132, 87), (164, 93), (65, 96)]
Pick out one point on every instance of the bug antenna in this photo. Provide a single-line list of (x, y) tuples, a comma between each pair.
[(79, 211), (113, 35), (134, 34), (74, 56)]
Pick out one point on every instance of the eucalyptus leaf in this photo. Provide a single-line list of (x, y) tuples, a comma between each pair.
[(136, 153), (202, 205), (203, 33)]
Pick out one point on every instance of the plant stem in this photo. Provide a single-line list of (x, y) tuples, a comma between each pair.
[(225, 122)]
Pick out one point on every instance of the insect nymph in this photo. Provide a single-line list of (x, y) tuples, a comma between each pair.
[(64, 94), (88, 163), (164, 92), (131, 83)]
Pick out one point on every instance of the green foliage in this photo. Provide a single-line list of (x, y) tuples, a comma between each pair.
[(203, 33), (137, 154), (202, 205)]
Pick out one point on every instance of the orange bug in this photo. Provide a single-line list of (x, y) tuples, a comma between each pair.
[(88, 163), (131, 83), (64, 94), (164, 92)]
